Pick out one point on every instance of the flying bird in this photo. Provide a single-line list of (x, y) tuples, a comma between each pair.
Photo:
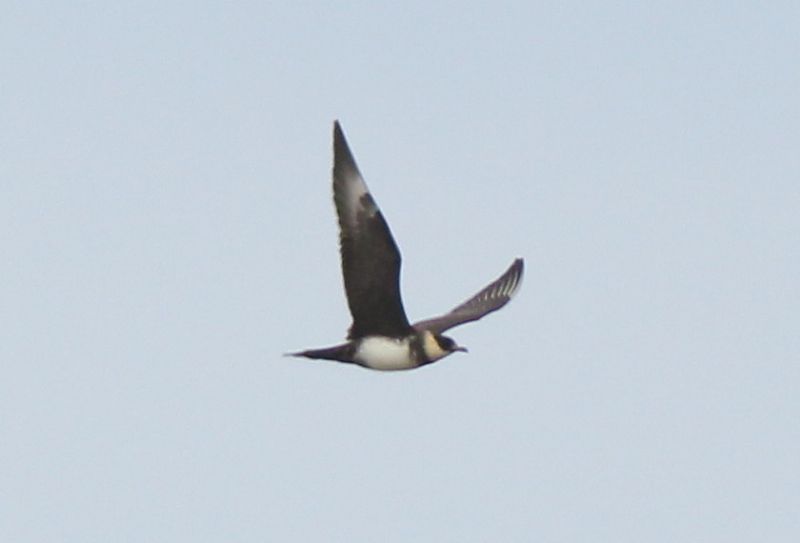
[(380, 337)]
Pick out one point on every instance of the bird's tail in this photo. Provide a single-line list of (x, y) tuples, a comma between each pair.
[(342, 353)]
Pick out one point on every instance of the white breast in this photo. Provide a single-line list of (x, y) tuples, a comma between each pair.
[(380, 353)]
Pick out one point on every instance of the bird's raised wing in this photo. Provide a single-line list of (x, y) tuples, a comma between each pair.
[(491, 298), (370, 258)]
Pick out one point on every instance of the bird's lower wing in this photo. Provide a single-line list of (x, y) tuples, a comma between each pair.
[(491, 298)]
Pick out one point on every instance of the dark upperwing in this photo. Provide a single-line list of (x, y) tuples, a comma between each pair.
[(370, 257)]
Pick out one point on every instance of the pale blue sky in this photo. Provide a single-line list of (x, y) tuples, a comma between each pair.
[(167, 232)]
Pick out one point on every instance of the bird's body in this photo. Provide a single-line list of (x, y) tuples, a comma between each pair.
[(380, 337), (386, 353)]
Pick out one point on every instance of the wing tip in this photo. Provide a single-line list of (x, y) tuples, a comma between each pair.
[(338, 134), (342, 155), (514, 276)]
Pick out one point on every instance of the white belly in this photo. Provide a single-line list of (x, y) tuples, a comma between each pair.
[(385, 354)]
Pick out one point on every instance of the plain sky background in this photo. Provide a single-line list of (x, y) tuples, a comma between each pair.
[(167, 231)]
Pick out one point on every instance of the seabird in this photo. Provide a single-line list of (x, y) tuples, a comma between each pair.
[(380, 337)]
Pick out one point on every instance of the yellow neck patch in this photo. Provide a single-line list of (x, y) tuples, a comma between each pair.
[(431, 347)]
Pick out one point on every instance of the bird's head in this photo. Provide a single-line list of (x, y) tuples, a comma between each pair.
[(438, 346), (448, 344)]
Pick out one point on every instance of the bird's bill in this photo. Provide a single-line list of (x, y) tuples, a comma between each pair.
[(460, 349)]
